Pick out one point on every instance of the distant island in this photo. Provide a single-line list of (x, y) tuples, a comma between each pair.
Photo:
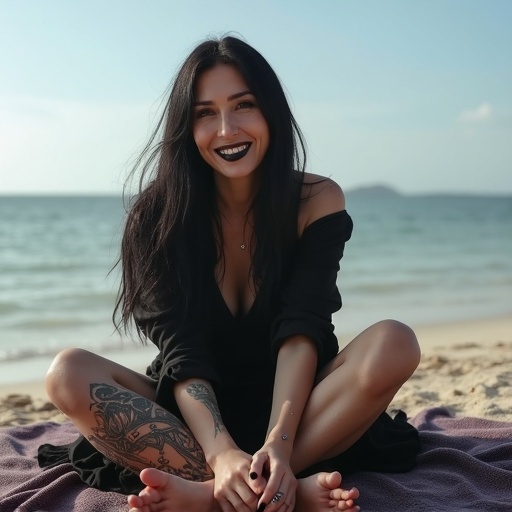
[(380, 191)]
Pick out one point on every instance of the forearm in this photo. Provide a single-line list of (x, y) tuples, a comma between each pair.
[(295, 374), (198, 405)]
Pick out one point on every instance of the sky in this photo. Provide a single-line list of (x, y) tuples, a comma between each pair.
[(414, 94)]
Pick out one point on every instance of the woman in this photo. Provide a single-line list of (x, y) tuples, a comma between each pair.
[(230, 256)]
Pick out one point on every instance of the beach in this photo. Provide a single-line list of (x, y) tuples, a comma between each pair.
[(465, 367), (439, 263)]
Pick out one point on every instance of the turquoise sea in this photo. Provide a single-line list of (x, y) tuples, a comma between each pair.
[(420, 259)]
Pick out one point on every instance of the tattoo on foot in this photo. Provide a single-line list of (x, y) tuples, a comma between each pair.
[(131, 428)]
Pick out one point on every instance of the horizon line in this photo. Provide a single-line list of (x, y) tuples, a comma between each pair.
[(367, 190)]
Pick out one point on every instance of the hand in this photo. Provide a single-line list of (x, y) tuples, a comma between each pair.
[(232, 490), (275, 480)]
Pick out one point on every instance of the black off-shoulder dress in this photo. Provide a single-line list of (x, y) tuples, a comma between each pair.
[(237, 355)]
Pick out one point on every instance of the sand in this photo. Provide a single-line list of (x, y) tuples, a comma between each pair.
[(465, 367)]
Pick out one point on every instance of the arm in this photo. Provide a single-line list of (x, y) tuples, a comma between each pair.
[(303, 338), (295, 374), (198, 405), (185, 366)]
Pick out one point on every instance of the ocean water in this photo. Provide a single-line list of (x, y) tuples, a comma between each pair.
[(426, 260), (420, 259)]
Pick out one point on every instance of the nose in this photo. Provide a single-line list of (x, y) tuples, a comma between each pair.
[(227, 126)]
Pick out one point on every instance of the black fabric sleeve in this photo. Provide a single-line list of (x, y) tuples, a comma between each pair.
[(183, 344), (311, 295)]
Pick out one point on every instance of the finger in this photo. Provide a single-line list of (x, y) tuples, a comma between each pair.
[(236, 503), (248, 496), (292, 502), (257, 479), (257, 484), (258, 464), (278, 502), (284, 499), (289, 500), (226, 505), (274, 490)]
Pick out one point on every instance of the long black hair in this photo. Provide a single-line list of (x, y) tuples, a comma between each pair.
[(169, 242)]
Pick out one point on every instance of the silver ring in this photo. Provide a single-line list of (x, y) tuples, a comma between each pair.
[(277, 497)]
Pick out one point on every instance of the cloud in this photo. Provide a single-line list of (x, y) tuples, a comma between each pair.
[(484, 112)]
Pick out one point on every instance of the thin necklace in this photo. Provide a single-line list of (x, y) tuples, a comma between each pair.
[(243, 245)]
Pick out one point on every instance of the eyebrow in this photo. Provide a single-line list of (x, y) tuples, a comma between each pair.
[(230, 98)]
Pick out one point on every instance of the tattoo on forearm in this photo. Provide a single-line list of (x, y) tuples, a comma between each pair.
[(204, 394), (136, 433)]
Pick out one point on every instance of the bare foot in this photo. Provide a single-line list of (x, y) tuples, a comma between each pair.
[(169, 493), (322, 492)]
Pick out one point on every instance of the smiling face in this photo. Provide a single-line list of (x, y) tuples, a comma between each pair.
[(229, 129)]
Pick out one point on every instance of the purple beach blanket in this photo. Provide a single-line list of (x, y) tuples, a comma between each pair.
[(465, 466)]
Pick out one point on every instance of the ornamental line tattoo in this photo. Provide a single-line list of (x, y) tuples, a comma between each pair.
[(136, 433), (204, 394)]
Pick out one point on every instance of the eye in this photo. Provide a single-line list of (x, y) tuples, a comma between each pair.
[(245, 105), (204, 112)]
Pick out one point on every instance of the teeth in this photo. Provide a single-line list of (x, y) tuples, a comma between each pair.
[(233, 151)]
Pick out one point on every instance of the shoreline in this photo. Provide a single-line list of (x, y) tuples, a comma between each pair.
[(465, 366), (486, 331)]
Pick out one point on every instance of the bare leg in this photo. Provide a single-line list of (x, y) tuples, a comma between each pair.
[(353, 390), (113, 408), (350, 394)]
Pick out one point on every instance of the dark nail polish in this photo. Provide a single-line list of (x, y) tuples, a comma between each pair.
[(261, 507), (253, 475)]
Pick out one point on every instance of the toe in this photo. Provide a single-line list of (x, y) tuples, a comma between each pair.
[(135, 501), (330, 480), (344, 494), (154, 477)]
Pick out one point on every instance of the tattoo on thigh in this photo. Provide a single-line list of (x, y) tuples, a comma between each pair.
[(136, 433), (205, 395)]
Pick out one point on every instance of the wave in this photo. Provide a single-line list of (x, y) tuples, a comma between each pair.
[(17, 267), (45, 351), (50, 323), (32, 300), (10, 307)]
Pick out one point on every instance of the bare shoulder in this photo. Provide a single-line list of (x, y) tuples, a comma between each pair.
[(320, 196)]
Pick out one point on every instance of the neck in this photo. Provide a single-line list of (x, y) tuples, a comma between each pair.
[(235, 196)]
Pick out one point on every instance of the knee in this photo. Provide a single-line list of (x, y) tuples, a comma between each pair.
[(396, 355), (65, 380), (401, 340)]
